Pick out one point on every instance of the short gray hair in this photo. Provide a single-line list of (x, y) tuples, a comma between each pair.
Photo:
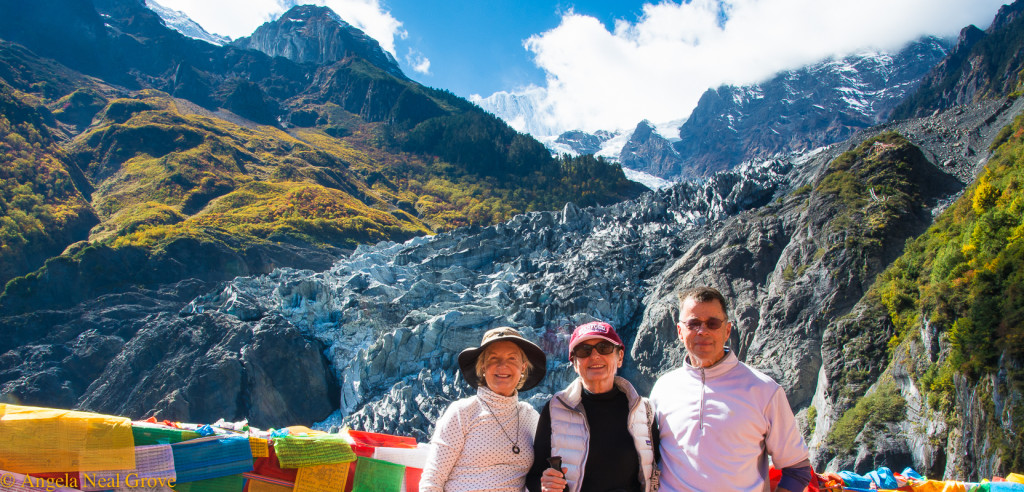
[(704, 294)]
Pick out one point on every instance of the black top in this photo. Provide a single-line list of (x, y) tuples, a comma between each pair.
[(612, 461)]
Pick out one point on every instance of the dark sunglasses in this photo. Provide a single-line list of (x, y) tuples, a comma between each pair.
[(603, 348), (711, 324)]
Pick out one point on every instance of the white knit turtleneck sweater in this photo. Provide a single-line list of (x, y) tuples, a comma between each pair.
[(471, 452)]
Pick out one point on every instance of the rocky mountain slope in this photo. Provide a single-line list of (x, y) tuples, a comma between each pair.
[(797, 110), (170, 154), (982, 64), (311, 34)]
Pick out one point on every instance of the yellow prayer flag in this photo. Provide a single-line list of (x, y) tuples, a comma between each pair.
[(41, 440), (322, 478), (260, 447)]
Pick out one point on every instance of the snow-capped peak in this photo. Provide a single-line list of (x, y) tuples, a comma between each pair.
[(524, 110), (181, 22)]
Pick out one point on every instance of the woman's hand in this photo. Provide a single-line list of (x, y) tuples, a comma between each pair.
[(553, 480)]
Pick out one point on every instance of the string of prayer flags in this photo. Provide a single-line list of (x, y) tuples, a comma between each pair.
[(361, 450), (416, 458), (883, 479)]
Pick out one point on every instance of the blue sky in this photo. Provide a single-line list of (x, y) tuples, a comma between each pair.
[(476, 47), (604, 64)]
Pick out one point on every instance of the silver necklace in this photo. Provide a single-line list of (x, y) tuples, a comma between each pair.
[(515, 444)]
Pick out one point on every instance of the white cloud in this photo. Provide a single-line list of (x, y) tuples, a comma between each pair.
[(657, 67), (418, 62), (238, 18)]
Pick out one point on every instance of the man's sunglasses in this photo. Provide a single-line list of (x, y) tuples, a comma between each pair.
[(711, 324), (603, 348)]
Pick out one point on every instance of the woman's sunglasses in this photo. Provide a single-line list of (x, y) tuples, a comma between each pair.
[(603, 348)]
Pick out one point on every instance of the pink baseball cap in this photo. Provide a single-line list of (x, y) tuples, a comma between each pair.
[(594, 329)]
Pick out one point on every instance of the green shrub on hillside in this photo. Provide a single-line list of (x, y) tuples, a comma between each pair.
[(965, 277), (40, 206), (884, 405), (868, 192), (963, 273)]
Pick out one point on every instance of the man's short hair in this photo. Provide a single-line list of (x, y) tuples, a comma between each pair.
[(704, 294)]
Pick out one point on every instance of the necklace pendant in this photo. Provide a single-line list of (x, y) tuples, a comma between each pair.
[(515, 449)]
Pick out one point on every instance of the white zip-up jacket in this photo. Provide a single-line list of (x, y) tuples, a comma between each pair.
[(719, 424), (570, 433)]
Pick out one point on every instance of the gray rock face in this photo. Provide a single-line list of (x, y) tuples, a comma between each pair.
[(994, 403), (131, 354), (651, 153), (206, 366), (310, 34)]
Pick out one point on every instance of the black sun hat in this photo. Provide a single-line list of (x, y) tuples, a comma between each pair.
[(468, 357)]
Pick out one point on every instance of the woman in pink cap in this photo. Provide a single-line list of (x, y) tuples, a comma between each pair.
[(598, 426)]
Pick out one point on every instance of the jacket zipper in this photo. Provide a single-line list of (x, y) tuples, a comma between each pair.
[(703, 387)]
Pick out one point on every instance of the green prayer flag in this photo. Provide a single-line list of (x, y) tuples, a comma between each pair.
[(377, 476)]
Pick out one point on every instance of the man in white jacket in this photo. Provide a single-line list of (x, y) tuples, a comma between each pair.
[(719, 419)]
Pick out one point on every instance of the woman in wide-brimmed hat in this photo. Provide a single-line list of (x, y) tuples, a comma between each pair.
[(486, 441)]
